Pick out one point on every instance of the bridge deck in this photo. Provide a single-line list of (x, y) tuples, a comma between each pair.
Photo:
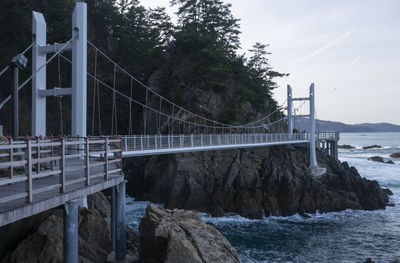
[(44, 175), (141, 145)]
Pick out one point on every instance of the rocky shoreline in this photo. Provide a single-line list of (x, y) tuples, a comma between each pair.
[(273, 181), (253, 183)]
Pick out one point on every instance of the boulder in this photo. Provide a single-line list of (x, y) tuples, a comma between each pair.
[(270, 181), (372, 147), (346, 146), (390, 162), (378, 159), (395, 155), (180, 236)]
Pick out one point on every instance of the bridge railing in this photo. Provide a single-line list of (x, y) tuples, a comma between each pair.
[(320, 136), (170, 141), (70, 160)]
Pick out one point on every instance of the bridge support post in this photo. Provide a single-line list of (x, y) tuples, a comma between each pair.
[(38, 81), (71, 232), (79, 68), (289, 110), (118, 221), (315, 170)]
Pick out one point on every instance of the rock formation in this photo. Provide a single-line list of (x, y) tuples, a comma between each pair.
[(253, 182), (346, 146), (43, 240), (379, 159), (179, 236), (372, 147), (395, 155)]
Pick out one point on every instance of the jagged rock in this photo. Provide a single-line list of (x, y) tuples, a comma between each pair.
[(372, 147), (255, 182), (395, 155), (378, 159), (390, 162), (346, 146), (174, 236), (44, 242)]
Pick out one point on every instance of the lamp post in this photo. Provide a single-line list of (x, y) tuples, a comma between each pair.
[(18, 62)]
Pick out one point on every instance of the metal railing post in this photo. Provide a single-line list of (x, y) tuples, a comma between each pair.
[(191, 139), (28, 171), (38, 154), (62, 166), (106, 159), (11, 172), (126, 144), (87, 157)]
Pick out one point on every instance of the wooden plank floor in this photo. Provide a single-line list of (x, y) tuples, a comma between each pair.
[(17, 209)]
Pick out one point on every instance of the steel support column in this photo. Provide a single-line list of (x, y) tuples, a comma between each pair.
[(71, 232), (120, 228), (113, 190), (15, 129), (289, 110), (313, 157)]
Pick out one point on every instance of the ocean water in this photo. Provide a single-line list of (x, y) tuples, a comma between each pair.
[(347, 236)]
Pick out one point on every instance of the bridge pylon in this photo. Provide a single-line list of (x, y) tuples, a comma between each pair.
[(315, 169), (78, 46)]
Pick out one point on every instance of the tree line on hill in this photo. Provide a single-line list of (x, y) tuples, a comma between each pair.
[(200, 52)]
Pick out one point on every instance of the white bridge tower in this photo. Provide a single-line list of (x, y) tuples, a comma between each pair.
[(78, 46), (315, 169)]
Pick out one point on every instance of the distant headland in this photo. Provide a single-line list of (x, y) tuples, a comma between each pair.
[(302, 124)]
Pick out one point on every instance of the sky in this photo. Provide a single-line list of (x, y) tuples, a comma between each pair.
[(350, 49)]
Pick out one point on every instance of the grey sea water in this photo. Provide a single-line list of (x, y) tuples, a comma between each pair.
[(347, 236)]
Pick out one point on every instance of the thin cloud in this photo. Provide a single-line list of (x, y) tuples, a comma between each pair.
[(354, 61), (322, 49)]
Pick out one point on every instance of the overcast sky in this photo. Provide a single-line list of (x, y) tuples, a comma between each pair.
[(350, 49)]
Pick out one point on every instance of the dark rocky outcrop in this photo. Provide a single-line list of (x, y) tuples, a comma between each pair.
[(42, 238), (372, 147), (346, 146), (395, 155), (270, 181), (380, 159), (179, 236)]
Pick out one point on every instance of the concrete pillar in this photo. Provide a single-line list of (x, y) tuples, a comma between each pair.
[(313, 157), (71, 232), (38, 81), (79, 69), (120, 228), (289, 109)]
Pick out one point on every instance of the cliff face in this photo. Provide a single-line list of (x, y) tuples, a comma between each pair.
[(253, 182)]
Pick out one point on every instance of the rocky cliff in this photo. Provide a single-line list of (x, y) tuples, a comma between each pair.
[(252, 182)]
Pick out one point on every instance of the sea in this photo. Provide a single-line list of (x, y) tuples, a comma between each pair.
[(346, 236)]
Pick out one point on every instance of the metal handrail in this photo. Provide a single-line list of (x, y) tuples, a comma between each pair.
[(39, 158)]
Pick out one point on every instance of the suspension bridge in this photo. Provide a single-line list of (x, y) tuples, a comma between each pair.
[(41, 172)]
